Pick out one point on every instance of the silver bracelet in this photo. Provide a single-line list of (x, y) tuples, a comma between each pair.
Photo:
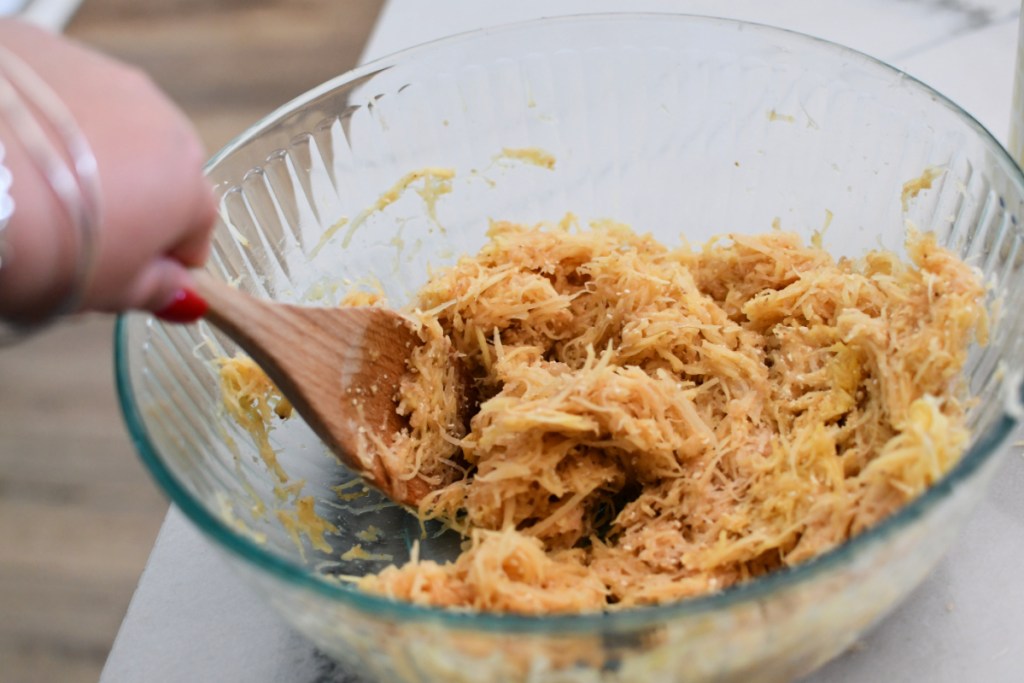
[(6, 203), (31, 108)]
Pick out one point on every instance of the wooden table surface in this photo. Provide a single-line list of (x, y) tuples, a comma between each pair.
[(78, 513)]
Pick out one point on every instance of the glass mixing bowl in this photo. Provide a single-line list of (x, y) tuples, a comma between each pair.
[(676, 125)]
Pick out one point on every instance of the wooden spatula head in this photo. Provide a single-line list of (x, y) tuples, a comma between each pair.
[(339, 367)]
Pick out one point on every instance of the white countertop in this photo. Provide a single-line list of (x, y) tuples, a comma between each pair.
[(191, 620)]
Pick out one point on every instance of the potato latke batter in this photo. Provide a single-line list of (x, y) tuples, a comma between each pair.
[(656, 423)]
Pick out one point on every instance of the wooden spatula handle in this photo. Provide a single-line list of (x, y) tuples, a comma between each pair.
[(235, 312)]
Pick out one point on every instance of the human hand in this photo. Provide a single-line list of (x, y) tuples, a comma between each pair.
[(157, 208)]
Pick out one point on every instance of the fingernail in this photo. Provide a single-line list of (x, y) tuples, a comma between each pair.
[(186, 307)]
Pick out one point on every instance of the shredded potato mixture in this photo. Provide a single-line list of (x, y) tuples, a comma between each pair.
[(656, 423), (251, 399)]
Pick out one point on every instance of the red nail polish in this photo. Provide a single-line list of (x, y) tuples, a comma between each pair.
[(186, 307)]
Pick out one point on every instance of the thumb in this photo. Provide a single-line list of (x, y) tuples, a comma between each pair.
[(165, 287)]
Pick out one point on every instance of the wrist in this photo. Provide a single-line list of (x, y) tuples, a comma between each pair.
[(50, 241), (38, 259)]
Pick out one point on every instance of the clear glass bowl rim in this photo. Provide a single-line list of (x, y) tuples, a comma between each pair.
[(986, 445)]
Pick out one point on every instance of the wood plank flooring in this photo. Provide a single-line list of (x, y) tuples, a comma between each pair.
[(78, 512)]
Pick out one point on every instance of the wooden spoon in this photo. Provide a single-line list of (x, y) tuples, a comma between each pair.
[(339, 367)]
